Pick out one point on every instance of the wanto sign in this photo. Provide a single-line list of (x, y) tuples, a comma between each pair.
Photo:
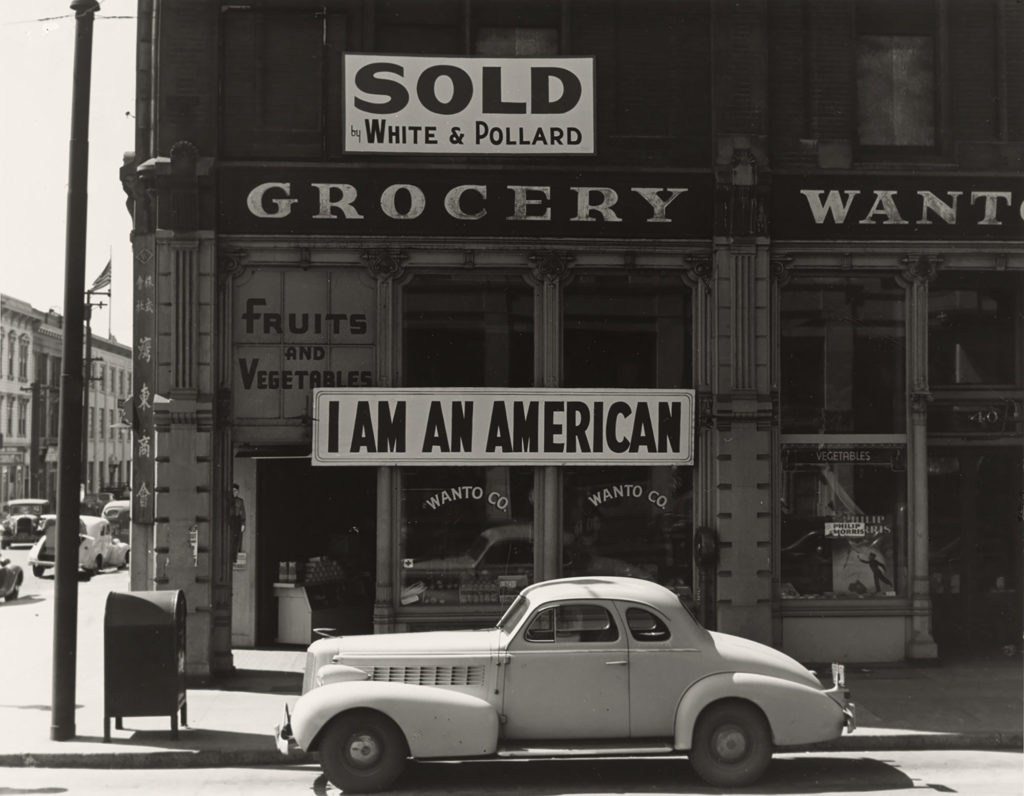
[(401, 104), (502, 427)]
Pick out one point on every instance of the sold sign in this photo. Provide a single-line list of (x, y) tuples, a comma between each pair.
[(469, 106)]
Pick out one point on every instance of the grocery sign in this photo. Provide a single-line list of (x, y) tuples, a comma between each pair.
[(438, 105), (502, 427)]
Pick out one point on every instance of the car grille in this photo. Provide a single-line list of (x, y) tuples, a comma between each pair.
[(429, 675)]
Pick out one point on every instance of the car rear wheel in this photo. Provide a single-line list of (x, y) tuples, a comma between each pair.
[(38, 571), (363, 751), (732, 744)]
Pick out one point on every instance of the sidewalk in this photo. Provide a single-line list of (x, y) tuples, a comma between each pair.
[(961, 705)]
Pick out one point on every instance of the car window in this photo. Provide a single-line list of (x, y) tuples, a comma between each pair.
[(645, 626), (573, 623)]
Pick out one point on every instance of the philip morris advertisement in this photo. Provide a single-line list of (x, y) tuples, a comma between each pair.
[(401, 104), (464, 426)]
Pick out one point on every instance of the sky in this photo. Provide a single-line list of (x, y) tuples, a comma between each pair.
[(37, 40)]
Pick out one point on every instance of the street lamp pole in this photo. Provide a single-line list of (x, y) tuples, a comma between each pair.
[(65, 624)]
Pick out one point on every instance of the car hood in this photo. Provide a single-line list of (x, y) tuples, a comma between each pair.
[(423, 645), (743, 655)]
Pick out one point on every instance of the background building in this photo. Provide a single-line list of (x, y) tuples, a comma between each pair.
[(807, 213), (30, 406), (18, 325)]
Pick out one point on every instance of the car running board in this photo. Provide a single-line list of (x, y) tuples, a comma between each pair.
[(586, 749)]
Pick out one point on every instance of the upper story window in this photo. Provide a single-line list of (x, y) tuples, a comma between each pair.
[(23, 358), (842, 356), (896, 83), (12, 342)]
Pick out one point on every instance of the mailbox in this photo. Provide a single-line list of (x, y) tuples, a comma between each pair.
[(144, 657)]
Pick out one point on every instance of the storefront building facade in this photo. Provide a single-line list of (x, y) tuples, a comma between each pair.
[(468, 295)]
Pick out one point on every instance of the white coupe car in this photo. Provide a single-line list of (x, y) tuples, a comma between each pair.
[(98, 548), (588, 665)]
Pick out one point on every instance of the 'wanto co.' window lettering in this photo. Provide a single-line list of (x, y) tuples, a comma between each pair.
[(843, 521)]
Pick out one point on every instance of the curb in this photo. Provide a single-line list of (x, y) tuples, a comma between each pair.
[(986, 741)]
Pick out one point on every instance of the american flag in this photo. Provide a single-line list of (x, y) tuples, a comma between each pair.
[(103, 280)]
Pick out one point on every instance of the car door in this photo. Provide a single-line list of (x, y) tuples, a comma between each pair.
[(566, 675), (662, 665)]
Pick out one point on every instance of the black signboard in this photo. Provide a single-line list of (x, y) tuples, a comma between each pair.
[(825, 206), (890, 456), (330, 199)]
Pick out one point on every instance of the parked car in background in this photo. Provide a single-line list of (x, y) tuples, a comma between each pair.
[(97, 547), (94, 502), (579, 666), (21, 525), (11, 578), (119, 514)]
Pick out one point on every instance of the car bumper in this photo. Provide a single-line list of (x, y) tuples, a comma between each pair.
[(283, 738), (840, 694)]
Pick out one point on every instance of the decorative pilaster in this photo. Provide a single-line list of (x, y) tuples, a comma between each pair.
[(918, 272)]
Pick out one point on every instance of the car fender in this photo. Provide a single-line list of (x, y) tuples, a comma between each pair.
[(436, 722), (797, 713)]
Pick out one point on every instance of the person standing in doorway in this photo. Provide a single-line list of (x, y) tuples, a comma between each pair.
[(237, 517)]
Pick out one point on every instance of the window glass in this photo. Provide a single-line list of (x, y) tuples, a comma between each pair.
[(896, 63), (645, 626), (843, 521), (895, 91), (489, 325), (626, 332), (272, 100), (972, 336), (506, 42), (467, 535), (631, 521), (572, 623), (843, 338)]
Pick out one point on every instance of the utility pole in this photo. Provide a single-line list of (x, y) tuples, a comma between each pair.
[(65, 624)]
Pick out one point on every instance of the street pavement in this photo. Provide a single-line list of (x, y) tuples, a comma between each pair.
[(964, 704)]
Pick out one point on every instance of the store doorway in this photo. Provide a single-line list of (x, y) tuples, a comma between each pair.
[(316, 550), (975, 551)]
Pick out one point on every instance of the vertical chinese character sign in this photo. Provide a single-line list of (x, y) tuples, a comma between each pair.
[(143, 380)]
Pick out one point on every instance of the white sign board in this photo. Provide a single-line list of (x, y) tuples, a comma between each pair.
[(502, 427), (843, 530), (407, 104)]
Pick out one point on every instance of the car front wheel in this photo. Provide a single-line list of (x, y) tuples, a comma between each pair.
[(732, 744), (38, 571), (363, 751)]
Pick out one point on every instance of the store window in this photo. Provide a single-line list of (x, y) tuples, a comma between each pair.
[(630, 521), (896, 94), (459, 333), (467, 536), (843, 521), (467, 532), (628, 332), (842, 357), (972, 335)]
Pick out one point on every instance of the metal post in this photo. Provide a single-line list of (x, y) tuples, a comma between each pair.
[(86, 386), (65, 624)]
